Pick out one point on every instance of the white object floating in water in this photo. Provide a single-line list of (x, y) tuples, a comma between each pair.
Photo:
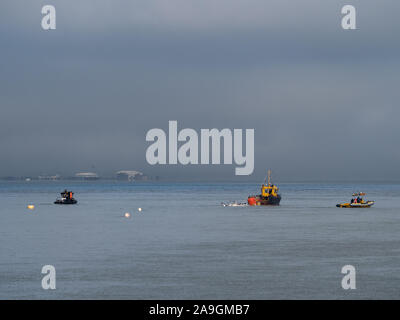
[(234, 204), (31, 206), (139, 209), (127, 215)]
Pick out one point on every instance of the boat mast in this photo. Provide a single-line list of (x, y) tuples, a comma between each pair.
[(269, 177)]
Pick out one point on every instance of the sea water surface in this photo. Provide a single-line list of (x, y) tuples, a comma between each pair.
[(185, 245)]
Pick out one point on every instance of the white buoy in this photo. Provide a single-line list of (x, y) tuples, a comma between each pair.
[(127, 215), (139, 209)]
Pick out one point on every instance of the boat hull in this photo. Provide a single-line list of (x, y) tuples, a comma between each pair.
[(264, 201), (356, 205), (71, 201)]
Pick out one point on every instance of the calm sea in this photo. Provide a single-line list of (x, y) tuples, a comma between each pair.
[(185, 245)]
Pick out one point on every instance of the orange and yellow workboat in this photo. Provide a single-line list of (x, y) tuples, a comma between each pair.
[(269, 195)]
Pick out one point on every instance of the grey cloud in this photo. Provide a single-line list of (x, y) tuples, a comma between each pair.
[(323, 101)]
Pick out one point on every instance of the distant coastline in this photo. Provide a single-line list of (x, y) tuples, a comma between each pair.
[(125, 175), (152, 179)]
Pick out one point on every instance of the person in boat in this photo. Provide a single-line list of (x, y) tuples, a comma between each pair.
[(68, 195), (359, 199)]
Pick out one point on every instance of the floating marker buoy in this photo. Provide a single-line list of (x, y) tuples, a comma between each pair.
[(31, 207), (127, 215), (139, 209)]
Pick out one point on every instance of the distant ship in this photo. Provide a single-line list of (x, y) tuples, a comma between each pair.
[(269, 195)]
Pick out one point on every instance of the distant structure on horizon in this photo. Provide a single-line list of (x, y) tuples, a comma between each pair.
[(123, 175), (87, 176), (55, 177), (131, 175)]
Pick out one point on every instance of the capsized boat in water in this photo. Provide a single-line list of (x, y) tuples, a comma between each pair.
[(356, 202), (67, 197), (269, 195)]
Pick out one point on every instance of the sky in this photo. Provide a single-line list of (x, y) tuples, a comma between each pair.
[(323, 101)]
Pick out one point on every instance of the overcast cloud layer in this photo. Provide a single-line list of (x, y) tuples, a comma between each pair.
[(324, 102)]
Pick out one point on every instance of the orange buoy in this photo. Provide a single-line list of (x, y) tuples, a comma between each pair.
[(251, 201)]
